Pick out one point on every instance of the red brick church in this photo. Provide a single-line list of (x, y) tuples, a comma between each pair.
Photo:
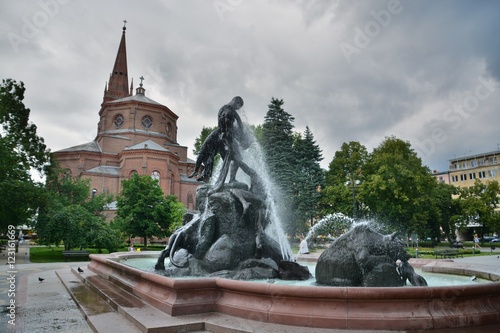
[(135, 134)]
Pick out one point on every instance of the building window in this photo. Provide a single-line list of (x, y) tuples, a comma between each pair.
[(155, 175), (147, 122), (492, 173), (463, 177), (118, 121), (472, 175), (454, 178), (482, 162), (481, 174), (169, 129), (474, 163), (465, 165), (133, 172)]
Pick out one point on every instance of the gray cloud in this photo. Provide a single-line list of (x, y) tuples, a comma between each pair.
[(350, 70)]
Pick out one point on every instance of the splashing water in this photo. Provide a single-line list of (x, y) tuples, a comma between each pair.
[(333, 224), (336, 224), (254, 158)]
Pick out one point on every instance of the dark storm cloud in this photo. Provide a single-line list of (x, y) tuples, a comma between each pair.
[(350, 70)]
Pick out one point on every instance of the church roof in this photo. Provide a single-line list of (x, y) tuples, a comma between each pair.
[(105, 170), (148, 144), (137, 98), (89, 146)]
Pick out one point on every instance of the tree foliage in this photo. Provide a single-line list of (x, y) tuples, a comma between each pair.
[(344, 174), (144, 212), (277, 145), (70, 215), (21, 150), (477, 205), (396, 187), (308, 180)]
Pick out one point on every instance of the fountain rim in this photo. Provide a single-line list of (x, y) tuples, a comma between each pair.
[(378, 308), (115, 258)]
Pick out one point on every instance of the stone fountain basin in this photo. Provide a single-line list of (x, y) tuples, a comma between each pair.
[(410, 308)]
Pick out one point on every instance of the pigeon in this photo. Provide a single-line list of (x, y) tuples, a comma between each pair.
[(80, 270), (473, 278), (40, 279)]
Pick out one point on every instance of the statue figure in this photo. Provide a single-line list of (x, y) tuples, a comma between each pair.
[(364, 257), (227, 237), (212, 146), (225, 140), (233, 137)]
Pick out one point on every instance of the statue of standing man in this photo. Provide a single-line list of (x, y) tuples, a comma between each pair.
[(233, 137)]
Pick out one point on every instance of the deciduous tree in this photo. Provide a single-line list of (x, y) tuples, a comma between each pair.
[(21, 149), (144, 211), (396, 187)]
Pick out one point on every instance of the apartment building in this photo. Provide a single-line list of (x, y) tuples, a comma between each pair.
[(465, 170)]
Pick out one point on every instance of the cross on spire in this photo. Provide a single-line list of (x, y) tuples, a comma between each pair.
[(142, 79), (124, 25)]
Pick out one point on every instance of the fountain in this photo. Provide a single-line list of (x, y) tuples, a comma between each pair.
[(237, 236)]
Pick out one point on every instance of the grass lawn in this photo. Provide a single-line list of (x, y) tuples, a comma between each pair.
[(41, 254)]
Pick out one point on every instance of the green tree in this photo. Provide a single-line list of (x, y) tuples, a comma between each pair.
[(277, 145), (259, 133), (309, 179), (69, 214), (477, 204), (396, 187), (441, 211), (21, 150), (342, 179), (143, 211)]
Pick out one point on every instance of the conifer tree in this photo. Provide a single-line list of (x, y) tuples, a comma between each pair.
[(308, 180), (277, 144)]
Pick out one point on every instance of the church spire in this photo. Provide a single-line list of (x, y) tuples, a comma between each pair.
[(118, 82)]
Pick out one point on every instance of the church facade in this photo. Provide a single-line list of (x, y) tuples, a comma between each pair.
[(135, 135)]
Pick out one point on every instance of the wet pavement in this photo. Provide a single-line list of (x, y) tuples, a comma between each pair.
[(30, 305), (33, 306)]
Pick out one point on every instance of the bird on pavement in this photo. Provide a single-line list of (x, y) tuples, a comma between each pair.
[(80, 270), (40, 279)]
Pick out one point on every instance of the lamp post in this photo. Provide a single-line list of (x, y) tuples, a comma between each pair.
[(353, 184), (94, 192)]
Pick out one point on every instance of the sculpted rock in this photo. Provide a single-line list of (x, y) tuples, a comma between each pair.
[(230, 226), (364, 257), (226, 239)]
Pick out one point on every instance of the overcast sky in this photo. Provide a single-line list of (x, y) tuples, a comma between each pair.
[(424, 71)]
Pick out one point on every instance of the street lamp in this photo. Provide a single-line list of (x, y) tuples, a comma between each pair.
[(94, 191), (353, 185)]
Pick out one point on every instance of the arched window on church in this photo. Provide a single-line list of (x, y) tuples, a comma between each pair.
[(133, 172), (155, 175), (169, 129)]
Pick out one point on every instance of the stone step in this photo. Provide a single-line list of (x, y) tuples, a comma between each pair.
[(104, 303), (144, 317), (100, 316)]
